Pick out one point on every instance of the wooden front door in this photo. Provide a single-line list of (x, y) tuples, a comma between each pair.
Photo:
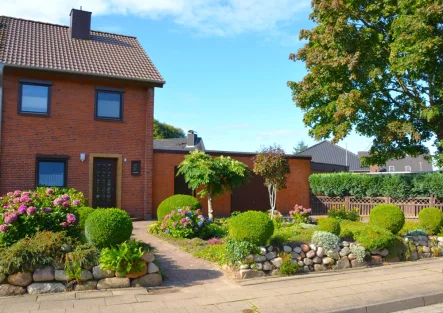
[(104, 183)]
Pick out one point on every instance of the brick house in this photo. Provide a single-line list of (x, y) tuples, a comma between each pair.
[(77, 111)]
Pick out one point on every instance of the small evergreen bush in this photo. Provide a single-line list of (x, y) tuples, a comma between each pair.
[(387, 216), (326, 240), (83, 214), (253, 226), (373, 237), (237, 251), (288, 266), (416, 232), (175, 202), (431, 219), (329, 224), (107, 227)]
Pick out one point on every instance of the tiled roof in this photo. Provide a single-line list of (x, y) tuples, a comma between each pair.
[(325, 152), (31, 44), (175, 144)]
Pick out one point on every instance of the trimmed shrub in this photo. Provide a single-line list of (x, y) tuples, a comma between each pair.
[(431, 219), (175, 202), (373, 237), (387, 216), (107, 227), (253, 226), (329, 224), (83, 214), (349, 229), (325, 239)]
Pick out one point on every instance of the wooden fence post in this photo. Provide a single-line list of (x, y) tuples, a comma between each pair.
[(347, 201), (431, 201)]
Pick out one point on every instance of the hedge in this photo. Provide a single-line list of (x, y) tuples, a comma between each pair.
[(381, 185)]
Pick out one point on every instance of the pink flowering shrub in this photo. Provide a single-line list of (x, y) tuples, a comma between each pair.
[(24, 213), (215, 241), (300, 214), (185, 223)]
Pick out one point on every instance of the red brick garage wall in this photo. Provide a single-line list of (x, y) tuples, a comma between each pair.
[(297, 191), (71, 130)]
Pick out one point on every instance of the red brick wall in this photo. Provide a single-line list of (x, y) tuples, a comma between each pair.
[(71, 129), (297, 191)]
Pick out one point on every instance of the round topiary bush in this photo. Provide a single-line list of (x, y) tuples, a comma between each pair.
[(330, 225), (387, 216), (373, 237), (83, 214), (253, 226), (431, 219), (177, 201), (107, 227)]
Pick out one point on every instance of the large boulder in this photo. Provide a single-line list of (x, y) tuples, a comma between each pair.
[(356, 263), (86, 286), (60, 275), (244, 274), (152, 268), (151, 280), (98, 273), (277, 262), (7, 290), (45, 273), (113, 283), (86, 275), (343, 263), (22, 279), (148, 257), (37, 288)]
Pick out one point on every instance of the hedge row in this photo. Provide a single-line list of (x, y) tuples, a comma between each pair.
[(383, 185)]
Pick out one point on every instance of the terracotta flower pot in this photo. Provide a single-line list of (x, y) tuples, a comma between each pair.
[(143, 271)]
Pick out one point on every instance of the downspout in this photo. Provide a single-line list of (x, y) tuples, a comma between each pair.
[(2, 66)]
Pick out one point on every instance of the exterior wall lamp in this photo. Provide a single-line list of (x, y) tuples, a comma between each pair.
[(82, 157)]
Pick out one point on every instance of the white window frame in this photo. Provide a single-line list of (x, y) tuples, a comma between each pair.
[(391, 167), (408, 168)]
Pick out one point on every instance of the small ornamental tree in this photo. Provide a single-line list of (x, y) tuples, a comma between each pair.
[(215, 176), (272, 164)]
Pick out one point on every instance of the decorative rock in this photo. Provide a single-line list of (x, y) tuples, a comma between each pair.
[(356, 263), (259, 266), (248, 273), (308, 261), (317, 260), (337, 249), (295, 255), (116, 282), (98, 273), (310, 254), (277, 262), (345, 251), (270, 255), (306, 269), (423, 243), (426, 255), (376, 260), (319, 267), (60, 275), (263, 250), (413, 256), (267, 266), (302, 254), (327, 260), (152, 268), (154, 280), (333, 254), (2, 277), (148, 257), (86, 275), (37, 288), (305, 248), (44, 274), (345, 244), (142, 272), (343, 263), (275, 272), (245, 266), (85, 286), (383, 252), (320, 252), (260, 258), (297, 249), (313, 247), (270, 248), (250, 258), (22, 279), (300, 263), (7, 290), (287, 249), (351, 256), (440, 239), (426, 249)]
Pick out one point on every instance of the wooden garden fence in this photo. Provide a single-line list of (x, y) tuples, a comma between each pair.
[(410, 206)]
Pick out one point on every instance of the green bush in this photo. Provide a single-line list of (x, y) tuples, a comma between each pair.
[(253, 226), (373, 237), (238, 250), (83, 214), (416, 232), (326, 240), (408, 226), (431, 219), (288, 266), (123, 258), (107, 227), (349, 229), (387, 216), (329, 224), (174, 202)]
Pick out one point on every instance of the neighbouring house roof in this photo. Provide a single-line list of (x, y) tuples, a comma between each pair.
[(38, 45), (178, 144), (417, 164), (327, 153)]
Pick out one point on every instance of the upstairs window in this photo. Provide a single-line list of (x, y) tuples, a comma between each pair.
[(109, 105), (51, 171), (391, 169), (407, 168), (34, 98)]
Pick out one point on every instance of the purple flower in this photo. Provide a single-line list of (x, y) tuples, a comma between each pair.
[(16, 193), (58, 201), (76, 202), (70, 218), (35, 195), (22, 209), (65, 204), (65, 224), (3, 228), (16, 200), (49, 191), (26, 194), (47, 210), (25, 199), (31, 210), (11, 218), (65, 197)]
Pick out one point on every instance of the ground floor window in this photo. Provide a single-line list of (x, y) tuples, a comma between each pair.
[(52, 171)]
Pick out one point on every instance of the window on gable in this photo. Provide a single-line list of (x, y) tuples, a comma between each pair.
[(34, 98), (52, 172), (109, 105), (391, 169), (407, 168)]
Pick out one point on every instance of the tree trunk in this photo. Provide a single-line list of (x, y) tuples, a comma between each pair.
[(272, 197), (210, 210)]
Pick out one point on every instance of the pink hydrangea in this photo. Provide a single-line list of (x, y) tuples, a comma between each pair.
[(65, 204), (22, 209), (31, 210), (17, 193), (47, 210), (174, 224), (70, 218), (65, 197), (65, 224), (49, 191), (198, 211), (26, 194), (58, 201), (76, 202), (10, 194), (11, 218), (16, 200), (25, 199), (3, 228)]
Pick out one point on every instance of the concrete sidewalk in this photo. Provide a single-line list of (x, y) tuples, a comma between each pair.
[(384, 289)]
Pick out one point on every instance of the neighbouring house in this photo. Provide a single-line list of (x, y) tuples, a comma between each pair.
[(328, 157), (77, 111), (406, 165)]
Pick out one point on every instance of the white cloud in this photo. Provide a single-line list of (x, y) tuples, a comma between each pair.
[(208, 17)]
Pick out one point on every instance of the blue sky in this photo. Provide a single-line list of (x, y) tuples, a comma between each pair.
[(225, 63)]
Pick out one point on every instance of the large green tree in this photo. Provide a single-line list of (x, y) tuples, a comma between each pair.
[(375, 67), (166, 131), (212, 176)]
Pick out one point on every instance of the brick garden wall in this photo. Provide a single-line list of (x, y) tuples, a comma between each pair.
[(71, 129)]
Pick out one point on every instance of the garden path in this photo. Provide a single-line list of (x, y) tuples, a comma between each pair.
[(181, 268)]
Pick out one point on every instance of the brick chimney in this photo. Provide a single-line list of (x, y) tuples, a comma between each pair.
[(80, 26), (192, 138)]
